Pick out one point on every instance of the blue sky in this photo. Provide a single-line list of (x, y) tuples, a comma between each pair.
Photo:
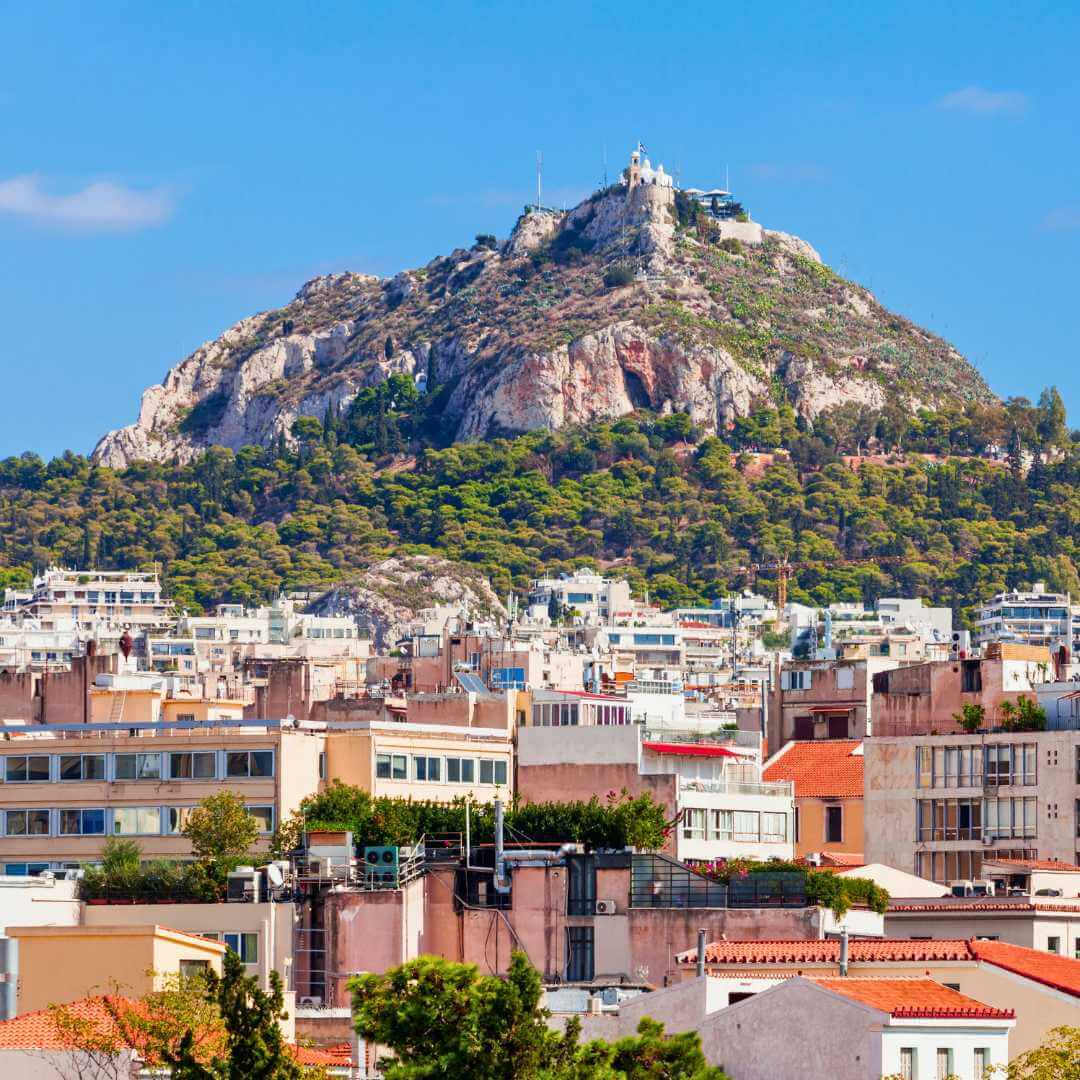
[(168, 169)]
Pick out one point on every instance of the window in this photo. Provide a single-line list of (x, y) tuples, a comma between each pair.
[(200, 765), (834, 824), (774, 828), (264, 815), (747, 825), (981, 1061), (460, 770), (971, 677), (427, 768), (136, 821), (246, 946), (178, 818), (27, 823), (137, 767), (25, 869), (26, 769), (492, 771), (82, 766), (322, 764), (909, 1063), (1053, 944), (845, 678), (185, 718), (693, 825), (581, 885), (796, 824), (579, 954), (723, 822), (944, 1062), (82, 822), (252, 763), (190, 968), (795, 680), (391, 767)]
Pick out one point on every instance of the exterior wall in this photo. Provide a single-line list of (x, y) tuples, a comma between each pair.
[(351, 758), (890, 794), (295, 769), (61, 964), (273, 923), (962, 1037), (812, 825), (373, 931), (895, 882), (37, 902), (1028, 928), (53, 697), (710, 797), (50, 1064), (834, 1037)]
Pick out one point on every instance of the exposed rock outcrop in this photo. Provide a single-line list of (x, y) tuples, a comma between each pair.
[(537, 333)]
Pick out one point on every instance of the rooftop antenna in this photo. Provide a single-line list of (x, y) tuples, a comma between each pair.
[(539, 172)]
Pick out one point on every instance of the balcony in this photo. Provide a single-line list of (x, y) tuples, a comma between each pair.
[(783, 789), (717, 737)]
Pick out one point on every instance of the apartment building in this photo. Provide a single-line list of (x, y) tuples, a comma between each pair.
[(828, 779), (64, 790), (1032, 616), (824, 699), (710, 784), (594, 597), (122, 597), (931, 696), (941, 804)]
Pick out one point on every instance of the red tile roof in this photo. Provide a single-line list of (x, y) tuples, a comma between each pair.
[(821, 768), (914, 998), (1037, 864), (827, 951), (842, 860), (1060, 972), (942, 905), (39, 1030), (326, 1055)]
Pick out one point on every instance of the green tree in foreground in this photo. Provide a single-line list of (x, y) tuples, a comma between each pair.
[(221, 829), (1056, 1058), (445, 1019), (254, 1047)]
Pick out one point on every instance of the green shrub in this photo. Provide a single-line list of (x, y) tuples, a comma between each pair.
[(619, 274)]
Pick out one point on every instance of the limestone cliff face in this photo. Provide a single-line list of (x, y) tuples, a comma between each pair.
[(544, 330)]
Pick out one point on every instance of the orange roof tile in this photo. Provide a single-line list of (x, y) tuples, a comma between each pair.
[(39, 1030), (915, 998), (326, 1055), (842, 860), (821, 768), (827, 951), (1060, 972), (1037, 864)]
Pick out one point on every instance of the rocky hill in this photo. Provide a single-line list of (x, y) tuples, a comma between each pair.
[(629, 300)]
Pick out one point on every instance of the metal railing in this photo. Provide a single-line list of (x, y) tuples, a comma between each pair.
[(780, 788), (657, 881), (718, 736)]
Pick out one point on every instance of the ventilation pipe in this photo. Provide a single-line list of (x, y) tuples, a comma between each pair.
[(844, 951), (701, 953), (9, 971), (503, 857)]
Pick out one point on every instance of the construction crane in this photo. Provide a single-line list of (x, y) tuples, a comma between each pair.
[(785, 570)]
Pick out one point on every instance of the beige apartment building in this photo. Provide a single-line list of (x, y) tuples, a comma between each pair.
[(942, 804), (63, 790)]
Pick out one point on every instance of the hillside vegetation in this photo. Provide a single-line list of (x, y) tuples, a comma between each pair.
[(644, 495)]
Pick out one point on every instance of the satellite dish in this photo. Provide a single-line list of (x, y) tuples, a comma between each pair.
[(274, 875)]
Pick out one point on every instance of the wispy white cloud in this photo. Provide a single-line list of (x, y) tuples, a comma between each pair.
[(1061, 219), (978, 101), (803, 173), (101, 206)]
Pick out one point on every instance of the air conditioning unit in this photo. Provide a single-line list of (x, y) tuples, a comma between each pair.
[(605, 907), (610, 995), (310, 1001)]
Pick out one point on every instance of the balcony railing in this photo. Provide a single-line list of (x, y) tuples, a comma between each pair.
[(779, 788), (717, 737)]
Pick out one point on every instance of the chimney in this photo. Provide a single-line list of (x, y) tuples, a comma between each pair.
[(844, 952), (701, 952)]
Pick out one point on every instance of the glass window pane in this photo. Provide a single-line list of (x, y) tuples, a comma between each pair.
[(264, 815), (434, 768), (93, 822), (500, 772), (70, 767), (93, 766), (487, 771), (124, 766), (236, 763), (69, 822), (204, 764), (453, 770), (401, 767), (262, 763), (38, 822), (382, 766), (468, 770)]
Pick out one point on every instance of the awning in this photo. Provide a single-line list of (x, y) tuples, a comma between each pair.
[(833, 711), (689, 749)]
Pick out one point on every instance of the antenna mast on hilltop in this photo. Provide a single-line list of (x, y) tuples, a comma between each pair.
[(605, 165), (539, 175)]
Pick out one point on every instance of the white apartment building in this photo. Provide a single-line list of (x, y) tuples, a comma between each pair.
[(127, 598), (25, 646), (593, 597), (1031, 617)]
